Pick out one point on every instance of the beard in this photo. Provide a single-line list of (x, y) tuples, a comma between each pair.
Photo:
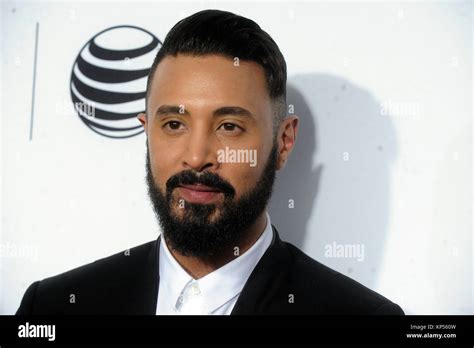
[(202, 230)]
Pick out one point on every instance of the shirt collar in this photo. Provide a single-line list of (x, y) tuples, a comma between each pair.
[(218, 287)]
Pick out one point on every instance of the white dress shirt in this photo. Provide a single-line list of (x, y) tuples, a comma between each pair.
[(215, 293)]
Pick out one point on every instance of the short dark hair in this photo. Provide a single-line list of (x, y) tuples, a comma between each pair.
[(225, 33)]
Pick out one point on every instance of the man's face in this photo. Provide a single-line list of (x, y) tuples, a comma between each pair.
[(211, 157)]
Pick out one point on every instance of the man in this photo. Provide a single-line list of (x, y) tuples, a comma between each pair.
[(217, 131)]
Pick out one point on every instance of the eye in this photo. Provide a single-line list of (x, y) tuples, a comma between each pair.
[(173, 125), (231, 128)]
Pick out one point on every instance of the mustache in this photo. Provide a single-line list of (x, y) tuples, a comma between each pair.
[(190, 177)]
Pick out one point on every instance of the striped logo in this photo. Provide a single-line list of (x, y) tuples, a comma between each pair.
[(108, 80)]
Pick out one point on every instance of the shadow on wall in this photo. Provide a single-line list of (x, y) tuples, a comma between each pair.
[(337, 176)]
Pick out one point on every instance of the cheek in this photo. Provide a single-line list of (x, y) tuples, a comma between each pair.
[(242, 176), (162, 162)]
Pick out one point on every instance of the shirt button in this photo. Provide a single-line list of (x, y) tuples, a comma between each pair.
[(195, 289)]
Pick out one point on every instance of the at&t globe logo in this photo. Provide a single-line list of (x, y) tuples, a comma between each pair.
[(108, 80)]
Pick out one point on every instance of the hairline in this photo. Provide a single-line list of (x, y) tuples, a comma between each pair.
[(278, 115)]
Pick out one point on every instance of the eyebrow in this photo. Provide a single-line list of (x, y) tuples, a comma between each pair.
[(165, 110)]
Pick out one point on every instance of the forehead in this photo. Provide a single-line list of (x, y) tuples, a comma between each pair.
[(210, 79)]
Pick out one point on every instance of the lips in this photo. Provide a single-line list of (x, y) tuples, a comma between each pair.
[(200, 188), (200, 194)]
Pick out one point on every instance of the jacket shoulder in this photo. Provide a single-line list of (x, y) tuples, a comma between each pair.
[(89, 283), (104, 270), (326, 291)]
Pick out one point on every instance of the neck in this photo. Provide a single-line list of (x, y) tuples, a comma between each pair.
[(198, 267)]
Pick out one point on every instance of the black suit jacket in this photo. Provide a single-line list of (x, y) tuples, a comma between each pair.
[(285, 281)]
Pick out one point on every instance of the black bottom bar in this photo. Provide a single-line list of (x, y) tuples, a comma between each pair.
[(427, 331)]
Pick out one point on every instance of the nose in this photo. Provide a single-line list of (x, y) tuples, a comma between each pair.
[(199, 154)]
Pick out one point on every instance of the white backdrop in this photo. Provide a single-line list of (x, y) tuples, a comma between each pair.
[(383, 161)]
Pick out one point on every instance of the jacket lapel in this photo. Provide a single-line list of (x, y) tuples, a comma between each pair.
[(266, 279), (143, 297)]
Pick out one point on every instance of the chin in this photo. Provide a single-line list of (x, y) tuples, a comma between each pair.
[(180, 214)]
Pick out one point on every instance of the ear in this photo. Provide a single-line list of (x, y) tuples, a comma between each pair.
[(286, 139), (142, 118)]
